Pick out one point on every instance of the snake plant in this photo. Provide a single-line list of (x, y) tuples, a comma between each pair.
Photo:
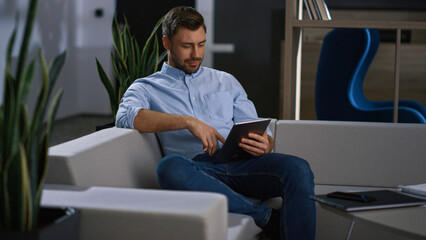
[(129, 62), (24, 139)]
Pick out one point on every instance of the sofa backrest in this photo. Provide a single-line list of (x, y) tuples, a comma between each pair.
[(357, 153), (113, 157)]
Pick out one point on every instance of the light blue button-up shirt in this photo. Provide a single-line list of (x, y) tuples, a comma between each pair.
[(212, 96)]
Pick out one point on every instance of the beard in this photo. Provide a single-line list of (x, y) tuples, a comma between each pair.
[(184, 64)]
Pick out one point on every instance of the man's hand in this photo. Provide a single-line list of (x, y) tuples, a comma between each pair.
[(206, 134), (151, 121), (256, 144)]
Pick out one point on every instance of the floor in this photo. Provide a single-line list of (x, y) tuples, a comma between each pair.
[(76, 126)]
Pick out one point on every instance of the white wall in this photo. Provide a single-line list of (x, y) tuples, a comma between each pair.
[(207, 9), (72, 26)]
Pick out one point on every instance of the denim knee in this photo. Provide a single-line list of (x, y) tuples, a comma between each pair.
[(302, 169), (302, 176), (296, 171), (172, 171)]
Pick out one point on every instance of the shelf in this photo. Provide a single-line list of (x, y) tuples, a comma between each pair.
[(291, 72), (359, 24)]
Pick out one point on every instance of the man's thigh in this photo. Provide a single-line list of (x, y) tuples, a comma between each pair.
[(265, 177)]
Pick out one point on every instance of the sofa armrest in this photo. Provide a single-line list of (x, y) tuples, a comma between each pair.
[(117, 213), (113, 157)]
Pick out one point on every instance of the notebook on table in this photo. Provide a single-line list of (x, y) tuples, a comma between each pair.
[(382, 199)]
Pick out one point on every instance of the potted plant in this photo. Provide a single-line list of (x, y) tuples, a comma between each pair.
[(129, 62), (24, 140)]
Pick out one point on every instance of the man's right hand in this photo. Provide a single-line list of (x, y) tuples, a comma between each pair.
[(206, 134), (151, 121)]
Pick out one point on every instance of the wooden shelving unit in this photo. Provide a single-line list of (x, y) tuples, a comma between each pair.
[(291, 81)]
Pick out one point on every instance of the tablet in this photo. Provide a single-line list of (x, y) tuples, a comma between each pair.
[(230, 149)]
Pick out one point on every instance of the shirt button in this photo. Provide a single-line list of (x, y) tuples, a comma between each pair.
[(193, 98)]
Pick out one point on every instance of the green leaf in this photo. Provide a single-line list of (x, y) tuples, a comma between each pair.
[(128, 51), (162, 56), (148, 43), (114, 65), (157, 25), (55, 69), (26, 83), (122, 90), (153, 58), (128, 61), (145, 56), (10, 45), (139, 64), (43, 164), (26, 224), (1, 145), (108, 86), (25, 124), (41, 102), (38, 115), (116, 36), (32, 12), (43, 159), (10, 118), (24, 143)]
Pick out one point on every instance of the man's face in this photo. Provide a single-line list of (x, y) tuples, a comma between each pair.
[(186, 49)]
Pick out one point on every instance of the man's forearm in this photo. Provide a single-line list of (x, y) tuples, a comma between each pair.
[(151, 121)]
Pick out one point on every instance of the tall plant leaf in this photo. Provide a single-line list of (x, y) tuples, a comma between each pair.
[(24, 142), (27, 216), (55, 68), (162, 57), (51, 117), (27, 78), (41, 102), (44, 145), (32, 12), (153, 58), (128, 61), (108, 86), (10, 108), (10, 45)]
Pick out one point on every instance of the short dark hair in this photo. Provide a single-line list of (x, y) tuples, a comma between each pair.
[(182, 16)]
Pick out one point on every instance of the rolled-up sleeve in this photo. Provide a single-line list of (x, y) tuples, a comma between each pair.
[(133, 100), (244, 109)]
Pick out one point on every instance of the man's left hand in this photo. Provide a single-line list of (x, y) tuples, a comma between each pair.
[(256, 144)]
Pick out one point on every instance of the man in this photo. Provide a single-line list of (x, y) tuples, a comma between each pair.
[(192, 109)]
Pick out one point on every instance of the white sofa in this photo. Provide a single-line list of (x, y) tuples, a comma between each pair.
[(110, 175)]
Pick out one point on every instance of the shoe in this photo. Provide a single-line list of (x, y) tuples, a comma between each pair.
[(272, 228)]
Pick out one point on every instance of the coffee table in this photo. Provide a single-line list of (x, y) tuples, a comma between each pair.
[(397, 223)]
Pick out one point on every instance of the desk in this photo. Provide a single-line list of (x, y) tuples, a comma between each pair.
[(396, 223)]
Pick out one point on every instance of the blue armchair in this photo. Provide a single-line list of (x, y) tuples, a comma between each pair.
[(345, 57)]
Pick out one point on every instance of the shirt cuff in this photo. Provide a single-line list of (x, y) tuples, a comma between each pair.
[(131, 115)]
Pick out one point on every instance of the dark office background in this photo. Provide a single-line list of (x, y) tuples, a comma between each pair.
[(256, 28)]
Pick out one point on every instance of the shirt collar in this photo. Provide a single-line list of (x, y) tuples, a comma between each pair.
[(177, 73)]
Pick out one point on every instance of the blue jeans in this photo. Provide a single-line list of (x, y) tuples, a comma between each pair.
[(268, 176)]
